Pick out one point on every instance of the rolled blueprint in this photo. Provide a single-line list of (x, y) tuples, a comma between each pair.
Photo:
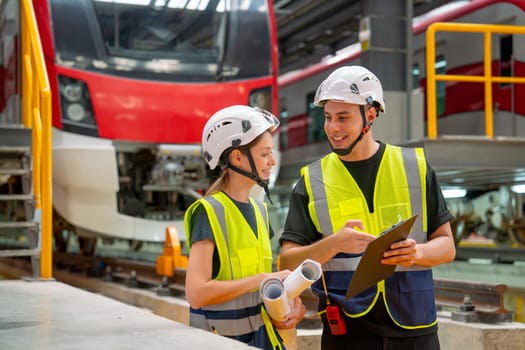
[(274, 298), (302, 277), (276, 293)]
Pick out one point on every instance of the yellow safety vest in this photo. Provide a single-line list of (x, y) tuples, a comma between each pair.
[(241, 254), (399, 192)]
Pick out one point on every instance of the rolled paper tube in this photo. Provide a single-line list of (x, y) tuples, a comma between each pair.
[(289, 336), (274, 298), (302, 277)]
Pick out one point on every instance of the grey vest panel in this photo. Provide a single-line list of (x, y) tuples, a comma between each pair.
[(318, 191), (218, 208)]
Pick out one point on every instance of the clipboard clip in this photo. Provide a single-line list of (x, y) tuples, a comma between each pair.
[(400, 222)]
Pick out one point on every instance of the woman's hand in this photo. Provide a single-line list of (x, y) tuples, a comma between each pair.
[(294, 316)]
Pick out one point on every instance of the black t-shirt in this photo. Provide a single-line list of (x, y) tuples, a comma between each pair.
[(201, 228), (300, 229)]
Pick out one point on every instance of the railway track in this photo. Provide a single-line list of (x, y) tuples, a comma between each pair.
[(465, 301), (133, 273), (503, 255)]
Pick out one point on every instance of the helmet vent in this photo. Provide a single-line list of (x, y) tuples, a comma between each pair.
[(236, 143), (354, 89), (207, 156), (246, 125), (266, 116), (217, 126)]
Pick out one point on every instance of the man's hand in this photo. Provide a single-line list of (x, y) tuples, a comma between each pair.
[(349, 240), (402, 253)]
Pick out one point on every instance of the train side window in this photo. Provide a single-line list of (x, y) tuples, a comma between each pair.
[(315, 121), (416, 75), (283, 136), (441, 68), (505, 54)]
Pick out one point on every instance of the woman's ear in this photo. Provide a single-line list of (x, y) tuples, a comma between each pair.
[(235, 157)]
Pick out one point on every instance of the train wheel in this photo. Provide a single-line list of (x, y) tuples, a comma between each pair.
[(61, 232), (61, 240), (87, 245), (517, 233)]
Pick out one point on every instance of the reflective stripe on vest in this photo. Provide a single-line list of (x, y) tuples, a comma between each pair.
[(399, 192), (232, 318)]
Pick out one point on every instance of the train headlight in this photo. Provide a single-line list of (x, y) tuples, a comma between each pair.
[(261, 98), (76, 112), (75, 103), (71, 92)]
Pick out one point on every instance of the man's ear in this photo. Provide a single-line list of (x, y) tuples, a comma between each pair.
[(371, 115)]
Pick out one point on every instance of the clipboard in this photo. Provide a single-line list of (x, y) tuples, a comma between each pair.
[(370, 270)]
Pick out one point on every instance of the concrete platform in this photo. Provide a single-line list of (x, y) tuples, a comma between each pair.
[(481, 336), (53, 315)]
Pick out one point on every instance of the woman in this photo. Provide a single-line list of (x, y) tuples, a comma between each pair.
[(229, 233)]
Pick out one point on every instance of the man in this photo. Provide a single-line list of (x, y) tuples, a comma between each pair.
[(345, 200)]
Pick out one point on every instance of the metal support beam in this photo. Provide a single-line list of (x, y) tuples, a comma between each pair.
[(388, 41)]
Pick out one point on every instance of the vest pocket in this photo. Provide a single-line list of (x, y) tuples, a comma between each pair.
[(413, 303), (346, 210), (248, 261), (390, 215)]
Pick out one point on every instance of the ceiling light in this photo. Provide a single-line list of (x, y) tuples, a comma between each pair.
[(454, 193), (518, 188)]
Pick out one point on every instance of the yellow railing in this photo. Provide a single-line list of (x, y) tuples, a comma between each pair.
[(36, 114), (487, 79)]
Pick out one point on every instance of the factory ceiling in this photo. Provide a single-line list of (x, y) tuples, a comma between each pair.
[(311, 29)]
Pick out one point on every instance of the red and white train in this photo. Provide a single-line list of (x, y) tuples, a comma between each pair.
[(133, 83)]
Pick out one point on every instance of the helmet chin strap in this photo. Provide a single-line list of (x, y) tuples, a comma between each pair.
[(253, 174), (366, 127)]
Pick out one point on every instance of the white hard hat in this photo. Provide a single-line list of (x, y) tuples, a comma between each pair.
[(232, 127), (351, 84)]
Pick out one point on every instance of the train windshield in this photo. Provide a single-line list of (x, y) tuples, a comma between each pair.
[(200, 40)]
